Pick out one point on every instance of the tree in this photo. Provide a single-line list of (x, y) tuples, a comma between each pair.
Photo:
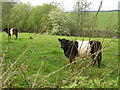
[(39, 17), (81, 9), (58, 22), (6, 12), (72, 26), (19, 15), (6, 8)]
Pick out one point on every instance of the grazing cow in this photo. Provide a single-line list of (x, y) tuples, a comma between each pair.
[(11, 31), (82, 49)]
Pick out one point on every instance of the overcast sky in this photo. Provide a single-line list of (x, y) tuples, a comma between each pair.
[(68, 4)]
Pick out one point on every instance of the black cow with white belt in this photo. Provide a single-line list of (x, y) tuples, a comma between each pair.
[(73, 49), (11, 31)]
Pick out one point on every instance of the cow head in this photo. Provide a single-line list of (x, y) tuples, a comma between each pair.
[(64, 43), (6, 30)]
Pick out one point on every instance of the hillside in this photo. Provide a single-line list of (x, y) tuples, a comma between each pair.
[(106, 19), (103, 20)]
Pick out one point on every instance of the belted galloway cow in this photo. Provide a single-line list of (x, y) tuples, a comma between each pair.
[(82, 49), (11, 31)]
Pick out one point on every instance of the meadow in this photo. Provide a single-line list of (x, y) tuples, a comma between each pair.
[(34, 61), (106, 20)]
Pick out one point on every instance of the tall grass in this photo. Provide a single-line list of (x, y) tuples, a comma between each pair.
[(55, 70), (36, 61)]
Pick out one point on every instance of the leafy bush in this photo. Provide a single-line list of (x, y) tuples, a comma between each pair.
[(58, 22)]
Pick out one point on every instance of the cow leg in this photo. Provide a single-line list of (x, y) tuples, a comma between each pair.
[(74, 61), (94, 61), (99, 59), (16, 35), (9, 36), (98, 63), (95, 46), (72, 58)]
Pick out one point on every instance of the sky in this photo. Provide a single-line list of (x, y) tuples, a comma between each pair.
[(69, 4)]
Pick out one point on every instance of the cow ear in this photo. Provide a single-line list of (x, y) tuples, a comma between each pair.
[(59, 39), (67, 40)]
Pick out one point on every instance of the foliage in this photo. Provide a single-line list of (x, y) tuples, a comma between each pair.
[(6, 13), (72, 26), (39, 17), (19, 16), (41, 64), (58, 22), (81, 10), (27, 18), (106, 21), (32, 19)]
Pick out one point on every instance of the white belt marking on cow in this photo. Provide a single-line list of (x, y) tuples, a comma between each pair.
[(11, 31), (83, 48)]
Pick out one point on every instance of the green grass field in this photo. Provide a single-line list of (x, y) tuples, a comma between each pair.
[(105, 20), (45, 56)]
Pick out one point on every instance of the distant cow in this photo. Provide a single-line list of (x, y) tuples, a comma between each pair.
[(82, 49), (11, 31)]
